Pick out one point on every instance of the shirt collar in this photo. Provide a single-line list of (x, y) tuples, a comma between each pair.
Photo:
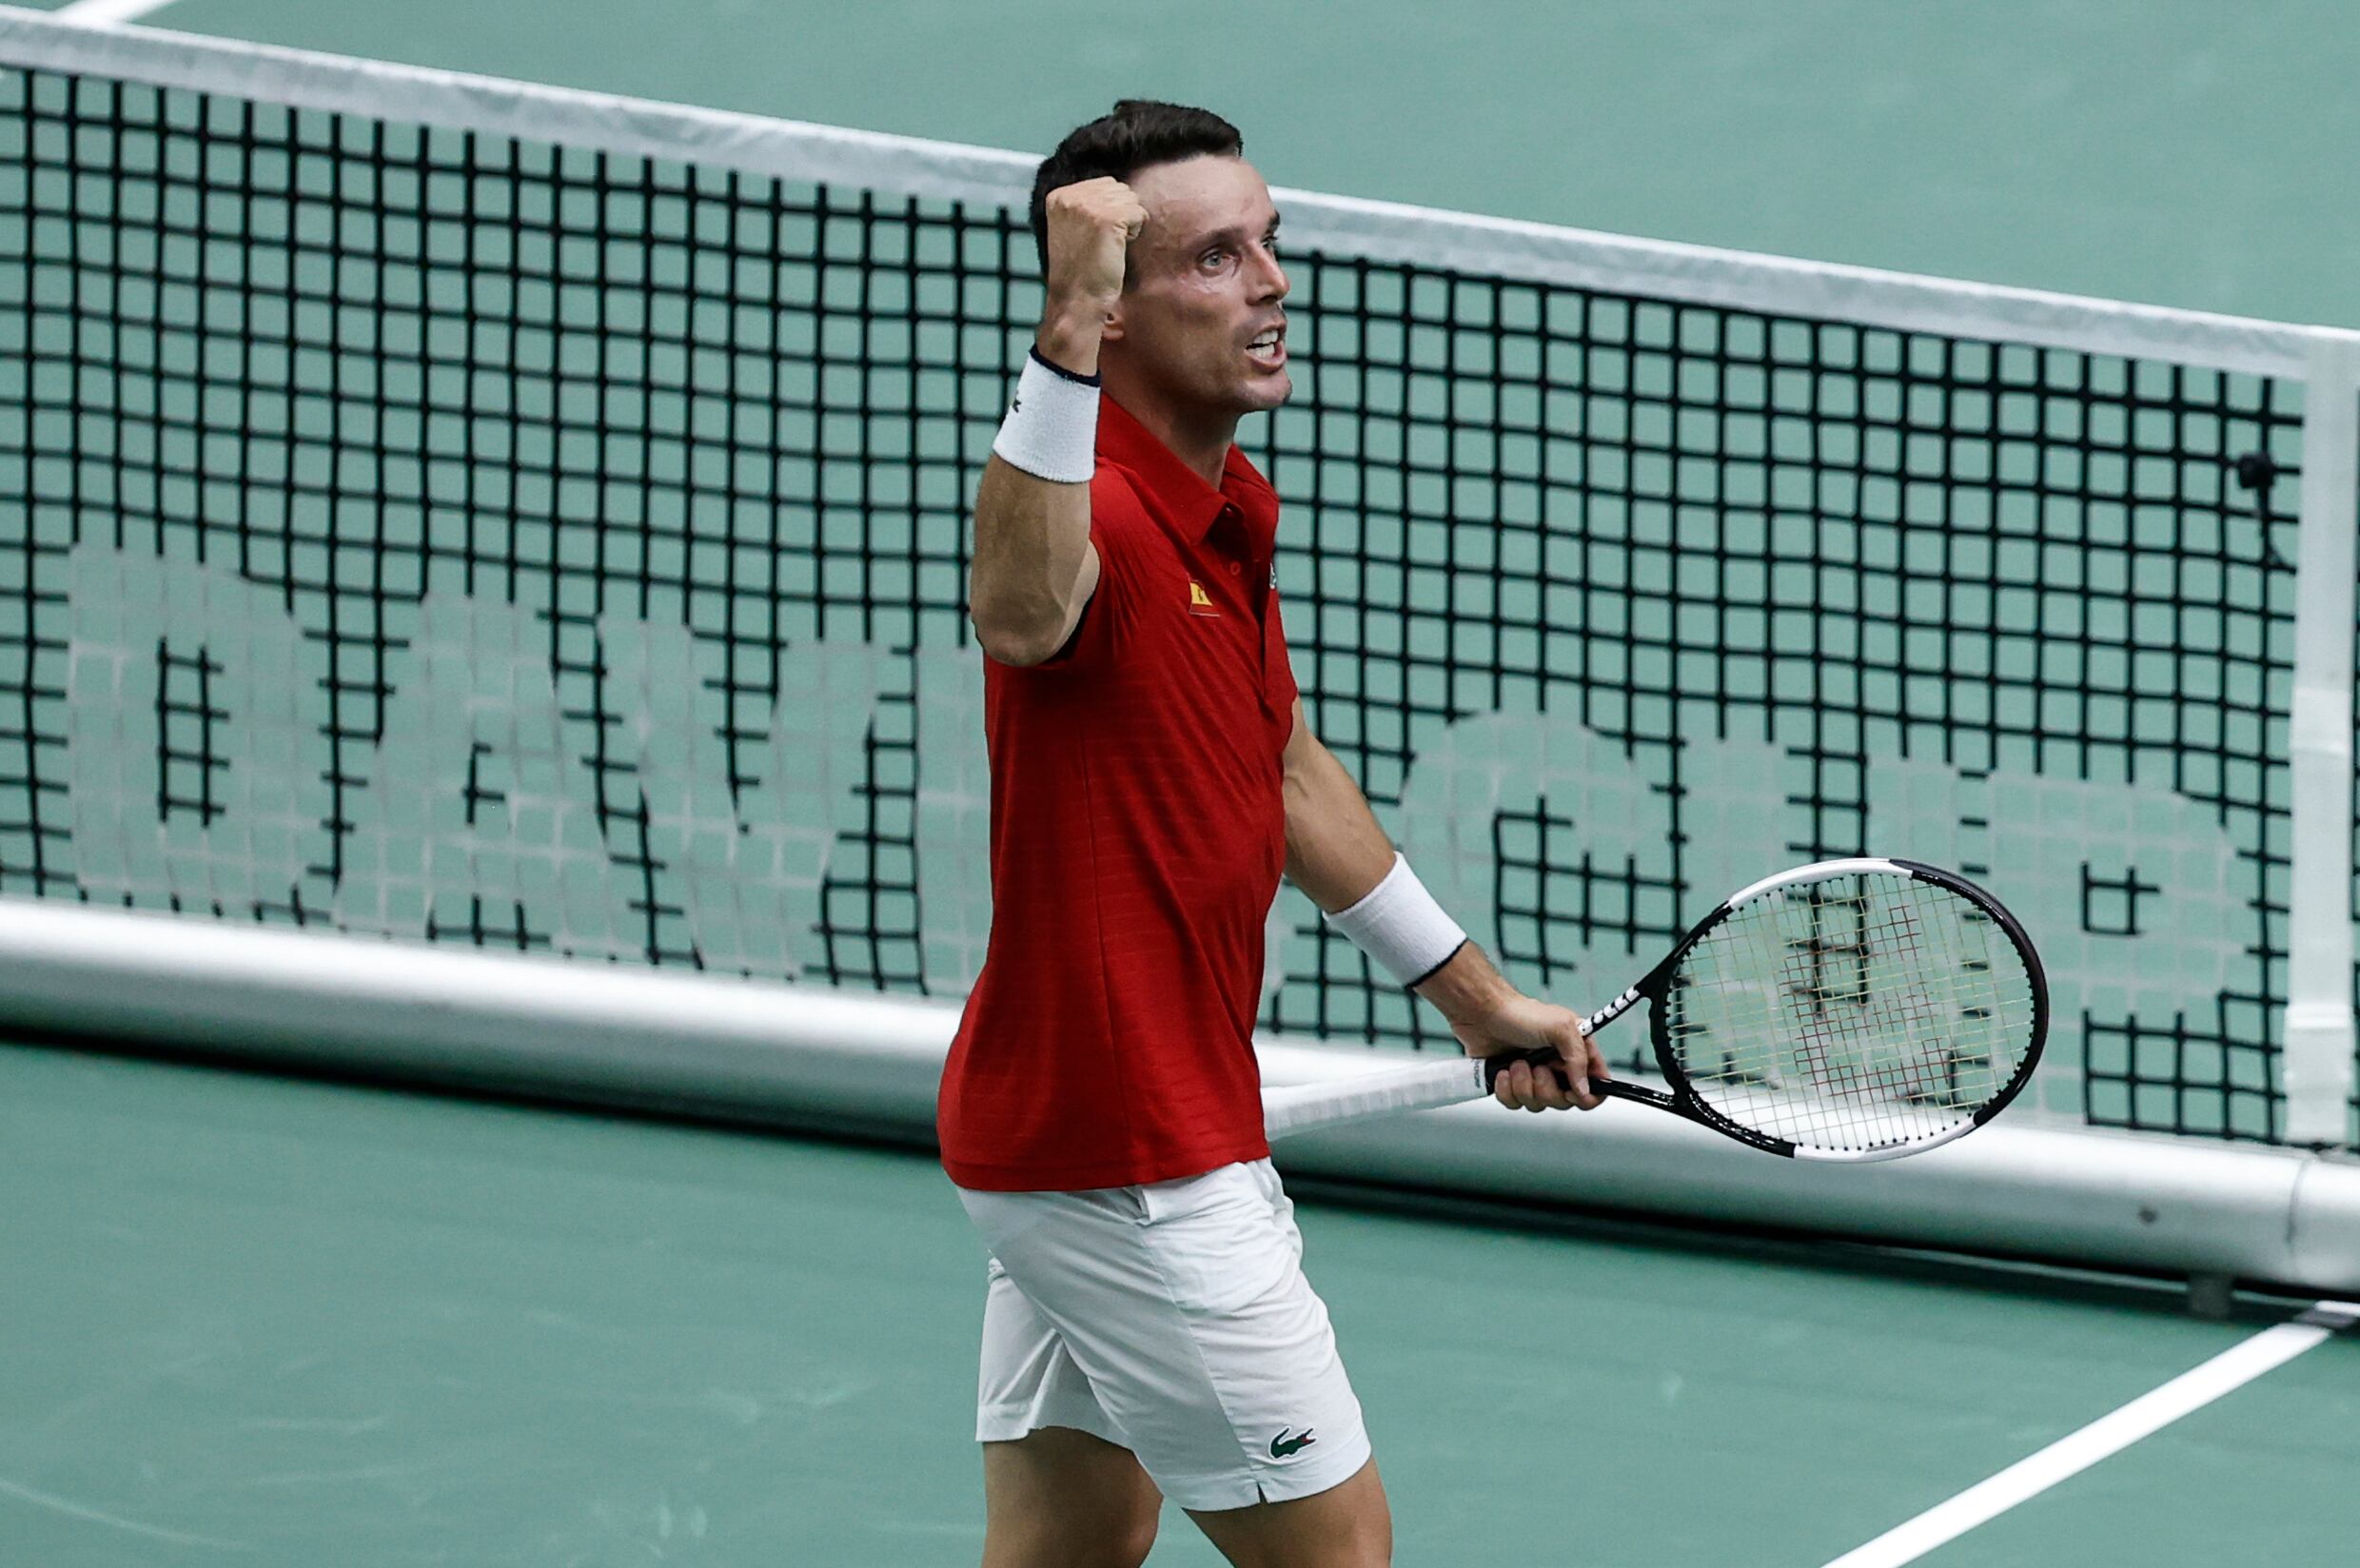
[(1188, 503)]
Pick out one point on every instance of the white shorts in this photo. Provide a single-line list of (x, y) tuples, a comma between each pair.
[(1172, 1320)]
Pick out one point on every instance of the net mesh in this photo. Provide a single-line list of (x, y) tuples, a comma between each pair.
[(1852, 1013), (465, 540)]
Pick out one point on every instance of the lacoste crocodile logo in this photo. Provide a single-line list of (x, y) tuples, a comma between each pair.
[(1283, 1446)]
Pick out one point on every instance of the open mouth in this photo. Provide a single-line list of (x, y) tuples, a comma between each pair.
[(1269, 350)]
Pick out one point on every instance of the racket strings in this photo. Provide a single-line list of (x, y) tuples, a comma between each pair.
[(1851, 1013)]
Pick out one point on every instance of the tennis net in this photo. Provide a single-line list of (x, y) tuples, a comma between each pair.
[(468, 512)]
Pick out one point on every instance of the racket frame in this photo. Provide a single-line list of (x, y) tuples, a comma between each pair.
[(1654, 987)]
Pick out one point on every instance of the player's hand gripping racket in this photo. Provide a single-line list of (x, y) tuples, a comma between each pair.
[(1852, 1010)]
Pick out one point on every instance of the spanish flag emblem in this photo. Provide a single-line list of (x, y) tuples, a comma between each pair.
[(1200, 602)]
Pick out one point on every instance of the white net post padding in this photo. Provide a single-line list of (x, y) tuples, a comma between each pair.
[(2317, 1033)]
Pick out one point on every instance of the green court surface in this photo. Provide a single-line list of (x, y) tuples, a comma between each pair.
[(266, 1322)]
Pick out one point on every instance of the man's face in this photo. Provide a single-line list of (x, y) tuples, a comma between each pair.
[(1200, 315)]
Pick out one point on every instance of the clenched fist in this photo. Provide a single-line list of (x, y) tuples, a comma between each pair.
[(1089, 224)]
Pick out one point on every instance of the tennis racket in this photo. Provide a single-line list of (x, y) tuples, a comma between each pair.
[(1852, 1010)]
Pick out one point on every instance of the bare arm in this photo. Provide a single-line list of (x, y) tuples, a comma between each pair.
[(1335, 850), (1336, 853), (1035, 567)]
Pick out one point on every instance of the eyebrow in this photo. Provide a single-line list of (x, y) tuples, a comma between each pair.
[(1231, 232)]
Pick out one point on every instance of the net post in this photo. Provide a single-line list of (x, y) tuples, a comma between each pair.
[(2212, 1296), (2317, 1037)]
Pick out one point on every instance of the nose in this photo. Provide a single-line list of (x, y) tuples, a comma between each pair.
[(1271, 284)]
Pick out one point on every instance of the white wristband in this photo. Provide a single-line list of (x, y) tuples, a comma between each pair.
[(1051, 429), (1400, 926)]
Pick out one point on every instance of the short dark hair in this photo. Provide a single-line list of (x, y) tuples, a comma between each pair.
[(1137, 134)]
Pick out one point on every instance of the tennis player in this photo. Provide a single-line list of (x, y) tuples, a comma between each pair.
[(1147, 1330)]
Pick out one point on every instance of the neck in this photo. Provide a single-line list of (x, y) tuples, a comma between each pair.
[(1198, 437)]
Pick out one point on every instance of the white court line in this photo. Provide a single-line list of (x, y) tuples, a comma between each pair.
[(82, 1511), (2108, 1434), (99, 13)]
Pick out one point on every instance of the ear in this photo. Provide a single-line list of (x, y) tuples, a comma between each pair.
[(1114, 329)]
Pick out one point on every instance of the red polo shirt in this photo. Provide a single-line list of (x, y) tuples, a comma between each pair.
[(1137, 837)]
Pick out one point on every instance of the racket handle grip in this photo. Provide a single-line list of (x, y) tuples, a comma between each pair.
[(1612, 1089), (1494, 1065)]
